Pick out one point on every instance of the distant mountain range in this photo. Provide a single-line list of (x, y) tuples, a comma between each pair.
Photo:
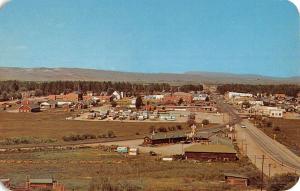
[(53, 74)]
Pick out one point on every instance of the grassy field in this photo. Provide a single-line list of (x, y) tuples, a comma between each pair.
[(52, 125), (77, 168), (288, 135)]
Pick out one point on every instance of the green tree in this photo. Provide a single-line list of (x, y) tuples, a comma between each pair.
[(139, 102), (180, 101)]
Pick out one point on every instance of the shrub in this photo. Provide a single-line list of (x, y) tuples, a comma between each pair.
[(111, 134), (162, 129), (282, 182), (205, 121), (277, 128), (179, 127)]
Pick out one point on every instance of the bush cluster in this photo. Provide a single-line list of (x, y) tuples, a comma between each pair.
[(109, 134), (25, 140)]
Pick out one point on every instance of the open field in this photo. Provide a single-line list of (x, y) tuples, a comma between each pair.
[(288, 135), (76, 168), (52, 125)]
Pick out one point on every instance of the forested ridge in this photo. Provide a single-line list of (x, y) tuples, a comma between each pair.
[(9, 89)]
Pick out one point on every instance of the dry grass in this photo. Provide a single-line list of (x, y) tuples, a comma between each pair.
[(52, 125), (288, 135), (77, 168)]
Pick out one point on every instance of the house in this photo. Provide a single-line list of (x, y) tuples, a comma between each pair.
[(29, 108), (51, 104), (212, 152), (236, 180), (117, 95), (4, 106), (280, 96), (200, 97)]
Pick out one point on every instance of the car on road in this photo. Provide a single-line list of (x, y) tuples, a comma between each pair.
[(243, 126)]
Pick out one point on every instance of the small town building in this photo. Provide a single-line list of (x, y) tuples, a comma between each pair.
[(236, 180), (232, 95), (29, 108), (161, 138), (212, 152), (44, 184), (276, 113), (174, 98)]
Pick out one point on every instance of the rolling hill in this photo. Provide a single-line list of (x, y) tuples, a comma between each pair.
[(53, 74)]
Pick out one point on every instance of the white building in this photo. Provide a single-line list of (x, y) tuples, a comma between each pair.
[(270, 111), (237, 95), (277, 113), (117, 95), (200, 97), (157, 97)]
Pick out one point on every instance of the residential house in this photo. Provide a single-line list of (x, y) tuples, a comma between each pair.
[(29, 108), (200, 97)]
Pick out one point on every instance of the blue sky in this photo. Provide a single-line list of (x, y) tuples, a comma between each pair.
[(236, 36)]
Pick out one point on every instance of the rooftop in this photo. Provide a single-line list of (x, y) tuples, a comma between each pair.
[(41, 181), (213, 148)]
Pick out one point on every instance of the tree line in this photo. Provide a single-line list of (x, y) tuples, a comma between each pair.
[(13, 89), (288, 89)]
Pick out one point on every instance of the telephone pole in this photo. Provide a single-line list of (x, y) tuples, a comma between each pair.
[(262, 172)]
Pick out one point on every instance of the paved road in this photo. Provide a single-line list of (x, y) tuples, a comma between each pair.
[(273, 148)]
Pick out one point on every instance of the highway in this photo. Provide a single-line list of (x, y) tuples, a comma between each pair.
[(274, 149), (278, 152)]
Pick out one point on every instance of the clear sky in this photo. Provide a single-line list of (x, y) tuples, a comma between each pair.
[(236, 36)]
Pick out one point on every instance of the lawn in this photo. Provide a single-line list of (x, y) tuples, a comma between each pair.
[(77, 168)]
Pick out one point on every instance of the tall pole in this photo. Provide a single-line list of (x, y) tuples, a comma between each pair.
[(262, 172)]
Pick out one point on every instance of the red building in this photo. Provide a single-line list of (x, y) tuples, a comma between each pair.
[(236, 180), (29, 108), (211, 152), (174, 98), (46, 184)]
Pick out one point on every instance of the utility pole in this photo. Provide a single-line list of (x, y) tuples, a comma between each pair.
[(262, 172)]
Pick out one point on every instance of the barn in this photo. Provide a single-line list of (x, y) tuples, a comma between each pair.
[(212, 152), (236, 180), (29, 108)]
